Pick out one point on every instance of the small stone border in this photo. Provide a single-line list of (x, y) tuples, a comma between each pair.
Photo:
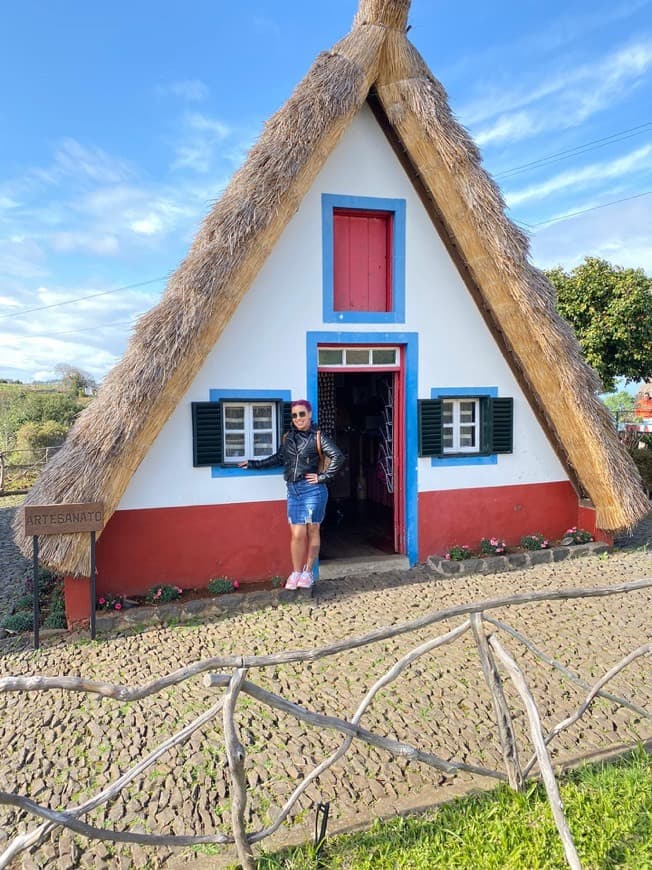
[(223, 606), (220, 607), (514, 561)]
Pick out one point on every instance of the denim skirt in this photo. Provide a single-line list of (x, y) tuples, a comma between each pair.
[(306, 502)]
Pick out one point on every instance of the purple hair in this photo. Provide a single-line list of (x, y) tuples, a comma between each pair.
[(306, 404)]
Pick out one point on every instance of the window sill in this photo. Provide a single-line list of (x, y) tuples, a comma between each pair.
[(454, 459), (234, 471)]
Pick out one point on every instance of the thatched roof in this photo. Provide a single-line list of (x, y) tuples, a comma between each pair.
[(376, 62)]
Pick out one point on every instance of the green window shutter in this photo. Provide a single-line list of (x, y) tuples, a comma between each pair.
[(430, 435), (502, 425), (286, 419), (206, 433)]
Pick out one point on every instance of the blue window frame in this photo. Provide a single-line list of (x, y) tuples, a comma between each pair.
[(330, 202), (459, 393), (248, 396)]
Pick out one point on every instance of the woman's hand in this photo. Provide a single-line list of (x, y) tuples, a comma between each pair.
[(244, 464), (312, 478)]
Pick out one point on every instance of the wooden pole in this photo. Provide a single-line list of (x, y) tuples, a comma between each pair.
[(545, 764), (236, 757), (501, 708), (36, 613)]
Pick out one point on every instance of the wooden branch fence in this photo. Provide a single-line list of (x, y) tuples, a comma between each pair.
[(491, 651)]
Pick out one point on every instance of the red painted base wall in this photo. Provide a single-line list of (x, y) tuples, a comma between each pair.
[(464, 516), (190, 545)]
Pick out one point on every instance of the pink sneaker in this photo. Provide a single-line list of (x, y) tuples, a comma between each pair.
[(305, 580), (293, 580)]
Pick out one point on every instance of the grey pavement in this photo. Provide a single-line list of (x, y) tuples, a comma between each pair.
[(60, 748)]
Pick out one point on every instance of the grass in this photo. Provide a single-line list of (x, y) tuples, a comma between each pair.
[(608, 807)]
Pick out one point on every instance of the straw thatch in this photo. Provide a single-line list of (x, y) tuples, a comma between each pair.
[(171, 342)]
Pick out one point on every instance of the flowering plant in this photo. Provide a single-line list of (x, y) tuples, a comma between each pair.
[(222, 585), (457, 553), (109, 601), (492, 546), (579, 536), (534, 542), (163, 593)]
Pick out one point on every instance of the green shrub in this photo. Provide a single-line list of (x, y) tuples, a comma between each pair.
[(534, 542), (579, 536), (457, 553), (163, 593), (220, 586), (277, 581), (25, 602), (492, 546), (34, 437), (55, 619), (18, 622)]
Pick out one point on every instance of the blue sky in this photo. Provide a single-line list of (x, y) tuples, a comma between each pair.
[(121, 123)]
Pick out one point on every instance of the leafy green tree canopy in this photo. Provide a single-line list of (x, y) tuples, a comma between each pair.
[(610, 309)]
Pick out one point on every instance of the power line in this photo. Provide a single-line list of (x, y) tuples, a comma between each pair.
[(83, 298), (585, 210), (591, 145), (86, 328)]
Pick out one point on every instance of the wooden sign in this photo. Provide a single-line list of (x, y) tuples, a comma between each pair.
[(63, 519)]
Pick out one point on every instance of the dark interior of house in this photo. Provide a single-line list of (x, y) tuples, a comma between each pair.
[(356, 408)]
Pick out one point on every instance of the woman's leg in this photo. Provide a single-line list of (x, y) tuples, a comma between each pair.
[(298, 542), (314, 542)]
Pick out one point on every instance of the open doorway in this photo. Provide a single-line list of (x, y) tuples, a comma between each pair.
[(358, 409)]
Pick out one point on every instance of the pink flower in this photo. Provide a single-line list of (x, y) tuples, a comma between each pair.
[(236, 585), (118, 606), (544, 544), (179, 589), (447, 556), (101, 601)]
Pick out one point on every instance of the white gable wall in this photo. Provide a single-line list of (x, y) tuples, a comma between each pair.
[(264, 345)]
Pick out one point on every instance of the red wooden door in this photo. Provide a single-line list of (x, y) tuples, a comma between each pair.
[(362, 265)]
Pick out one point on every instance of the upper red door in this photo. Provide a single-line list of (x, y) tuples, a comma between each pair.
[(362, 243)]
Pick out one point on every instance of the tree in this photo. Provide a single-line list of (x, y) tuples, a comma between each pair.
[(610, 309), (74, 380), (621, 406), (32, 407)]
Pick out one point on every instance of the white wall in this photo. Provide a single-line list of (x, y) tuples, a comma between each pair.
[(264, 345)]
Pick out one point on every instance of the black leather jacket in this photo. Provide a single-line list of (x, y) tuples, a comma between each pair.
[(299, 455)]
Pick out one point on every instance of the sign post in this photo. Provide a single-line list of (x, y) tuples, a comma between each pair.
[(62, 519)]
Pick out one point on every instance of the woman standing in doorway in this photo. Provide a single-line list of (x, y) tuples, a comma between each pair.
[(300, 453)]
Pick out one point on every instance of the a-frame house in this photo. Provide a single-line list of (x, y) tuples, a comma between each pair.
[(361, 257)]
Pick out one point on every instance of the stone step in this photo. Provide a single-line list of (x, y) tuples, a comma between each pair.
[(334, 568)]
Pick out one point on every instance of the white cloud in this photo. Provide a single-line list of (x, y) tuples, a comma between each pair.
[(97, 243), (21, 258), (560, 101), (619, 233), (191, 90), (89, 333), (200, 139), (151, 225), (74, 160), (572, 179)]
